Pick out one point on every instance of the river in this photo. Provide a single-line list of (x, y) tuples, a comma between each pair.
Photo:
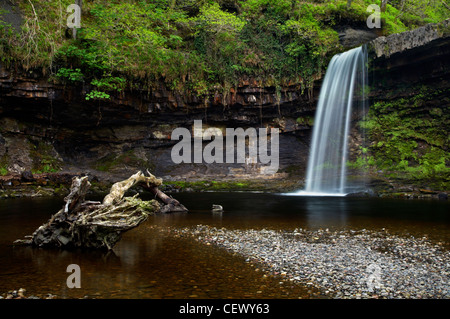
[(151, 263)]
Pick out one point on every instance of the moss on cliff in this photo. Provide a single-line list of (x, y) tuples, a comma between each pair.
[(257, 185), (409, 138), (112, 161), (44, 159)]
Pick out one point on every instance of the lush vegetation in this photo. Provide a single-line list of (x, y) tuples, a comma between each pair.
[(409, 138), (192, 45)]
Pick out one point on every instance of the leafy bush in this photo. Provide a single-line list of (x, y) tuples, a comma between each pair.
[(97, 95), (70, 75), (194, 45)]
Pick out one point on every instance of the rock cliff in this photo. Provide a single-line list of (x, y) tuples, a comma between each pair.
[(47, 127)]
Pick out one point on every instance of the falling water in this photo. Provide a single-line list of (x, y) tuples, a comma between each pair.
[(344, 82)]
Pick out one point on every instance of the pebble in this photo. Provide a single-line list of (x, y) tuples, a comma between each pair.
[(18, 294), (344, 264)]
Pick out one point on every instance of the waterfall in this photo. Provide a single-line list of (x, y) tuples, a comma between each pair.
[(344, 82)]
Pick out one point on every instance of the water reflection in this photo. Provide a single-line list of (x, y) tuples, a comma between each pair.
[(45, 269), (217, 216), (150, 263), (326, 213)]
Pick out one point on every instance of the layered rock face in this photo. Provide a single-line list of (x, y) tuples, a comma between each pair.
[(401, 42), (48, 127), (46, 124), (405, 61)]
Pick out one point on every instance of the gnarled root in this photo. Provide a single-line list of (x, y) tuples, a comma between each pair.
[(92, 224)]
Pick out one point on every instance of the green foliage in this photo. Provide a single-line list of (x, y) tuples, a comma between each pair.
[(43, 158), (110, 83), (42, 32), (47, 166), (3, 171), (97, 95), (105, 84), (113, 161), (210, 185), (194, 45), (212, 19), (414, 13), (306, 120), (70, 75), (408, 136), (89, 65)]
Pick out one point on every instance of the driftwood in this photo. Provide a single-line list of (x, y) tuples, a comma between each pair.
[(93, 224), (171, 204)]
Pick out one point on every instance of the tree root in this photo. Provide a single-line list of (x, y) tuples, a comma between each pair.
[(99, 225)]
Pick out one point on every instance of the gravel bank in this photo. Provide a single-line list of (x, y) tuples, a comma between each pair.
[(344, 264)]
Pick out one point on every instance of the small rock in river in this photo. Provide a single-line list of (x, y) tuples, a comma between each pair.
[(442, 196), (27, 176)]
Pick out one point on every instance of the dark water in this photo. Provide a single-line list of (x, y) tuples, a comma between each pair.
[(149, 263)]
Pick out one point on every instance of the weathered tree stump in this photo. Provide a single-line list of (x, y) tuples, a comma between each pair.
[(99, 225)]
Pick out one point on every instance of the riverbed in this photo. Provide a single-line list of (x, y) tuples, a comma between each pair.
[(203, 254)]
